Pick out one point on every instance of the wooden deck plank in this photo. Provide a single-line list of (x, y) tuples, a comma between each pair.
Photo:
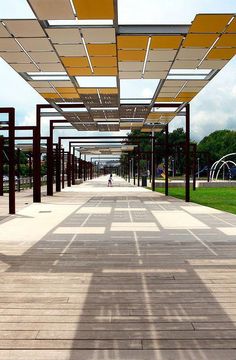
[(132, 294)]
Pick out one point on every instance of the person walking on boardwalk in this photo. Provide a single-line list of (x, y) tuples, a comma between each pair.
[(110, 180)]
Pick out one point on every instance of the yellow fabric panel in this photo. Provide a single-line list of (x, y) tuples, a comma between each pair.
[(89, 91), (108, 91), (227, 40), (154, 116), (104, 61), (166, 114), (183, 99), (94, 9), (50, 96), (209, 23), (79, 71), (101, 49), (166, 42), (70, 96), (232, 27), (188, 94), (66, 90), (199, 40), (132, 42), (105, 71), (164, 99), (75, 61), (131, 55), (137, 125), (125, 125), (221, 54)]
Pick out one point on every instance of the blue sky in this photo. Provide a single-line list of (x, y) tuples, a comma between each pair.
[(214, 108)]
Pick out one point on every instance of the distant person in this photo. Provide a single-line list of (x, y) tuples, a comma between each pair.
[(110, 180)]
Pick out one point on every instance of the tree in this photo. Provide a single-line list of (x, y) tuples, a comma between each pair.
[(218, 144), (176, 139)]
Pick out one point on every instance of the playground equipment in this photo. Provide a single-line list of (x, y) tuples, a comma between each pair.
[(202, 171), (161, 171), (228, 162)]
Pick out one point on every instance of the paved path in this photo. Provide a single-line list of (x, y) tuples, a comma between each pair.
[(98, 273)]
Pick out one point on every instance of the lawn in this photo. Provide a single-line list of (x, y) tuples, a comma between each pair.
[(218, 198)]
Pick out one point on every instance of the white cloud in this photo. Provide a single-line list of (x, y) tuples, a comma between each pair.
[(15, 9), (16, 92), (170, 11)]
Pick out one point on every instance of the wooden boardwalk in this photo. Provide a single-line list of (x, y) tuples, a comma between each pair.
[(98, 273)]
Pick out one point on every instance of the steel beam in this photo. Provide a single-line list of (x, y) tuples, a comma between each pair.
[(187, 154), (166, 159), (1, 164), (11, 155), (37, 157)]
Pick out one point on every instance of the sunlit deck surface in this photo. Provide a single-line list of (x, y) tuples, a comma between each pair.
[(117, 273)]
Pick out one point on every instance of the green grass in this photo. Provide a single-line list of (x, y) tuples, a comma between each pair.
[(218, 198)]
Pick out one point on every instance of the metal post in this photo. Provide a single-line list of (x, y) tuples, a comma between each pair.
[(139, 164), (30, 169), (18, 169), (73, 166), (69, 169), (91, 170), (166, 159), (37, 157), (153, 163), (58, 166), (63, 169), (198, 168), (194, 165), (134, 167), (85, 168), (80, 167), (11, 155), (1, 164), (187, 154), (208, 167), (76, 167), (50, 166), (128, 168)]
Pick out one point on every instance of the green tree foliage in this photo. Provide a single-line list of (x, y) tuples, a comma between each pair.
[(176, 142), (218, 144)]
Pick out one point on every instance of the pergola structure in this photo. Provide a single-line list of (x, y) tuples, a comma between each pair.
[(75, 51), (94, 71)]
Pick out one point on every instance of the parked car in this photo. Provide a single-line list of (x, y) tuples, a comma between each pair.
[(5, 178)]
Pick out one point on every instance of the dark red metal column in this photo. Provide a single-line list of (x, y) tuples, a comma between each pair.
[(153, 163), (73, 166), (129, 168), (187, 155), (134, 166), (18, 169), (194, 165), (69, 169), (63, 169), (138, 165), (58, 166), (11, 155), (80, 167), (1, 164), (30, 169), (50, 167), (37, 157), (85, 168), (166, 159), (91, 171)]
